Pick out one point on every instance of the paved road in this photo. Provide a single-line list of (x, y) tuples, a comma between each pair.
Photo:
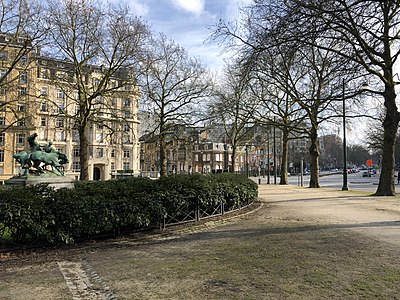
[(355, 181)]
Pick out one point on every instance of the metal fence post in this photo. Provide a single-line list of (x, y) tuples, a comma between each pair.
[(197, 210)]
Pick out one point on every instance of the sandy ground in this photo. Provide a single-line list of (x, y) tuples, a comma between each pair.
[(376, 217), (298, 243)]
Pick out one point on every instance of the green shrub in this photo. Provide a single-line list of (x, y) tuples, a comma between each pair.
[(24, 212), (29, 214)]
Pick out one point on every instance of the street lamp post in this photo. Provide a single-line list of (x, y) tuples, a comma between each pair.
[(274, 146), (264, 162), (202, 162), (268, 164), (344, 187), (247, 161)]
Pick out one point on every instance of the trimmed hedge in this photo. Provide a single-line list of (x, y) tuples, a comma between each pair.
[(40, 213)]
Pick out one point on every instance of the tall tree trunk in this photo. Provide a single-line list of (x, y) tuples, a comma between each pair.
[(163, 159), (386, 185), (285, 155), (232, 166), (314, 153), (84, 152)]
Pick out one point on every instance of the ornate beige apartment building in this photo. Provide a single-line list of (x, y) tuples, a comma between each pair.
[(33, 98)]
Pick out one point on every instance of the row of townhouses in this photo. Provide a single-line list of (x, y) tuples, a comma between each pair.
[(205, 150)]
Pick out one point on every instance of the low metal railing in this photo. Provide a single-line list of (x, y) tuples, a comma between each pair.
[(196, 213)]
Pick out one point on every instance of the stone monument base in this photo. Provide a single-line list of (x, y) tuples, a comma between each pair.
[(56, 182)]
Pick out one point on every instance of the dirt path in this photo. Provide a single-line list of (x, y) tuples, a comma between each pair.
[(299, 244), (376, 217)]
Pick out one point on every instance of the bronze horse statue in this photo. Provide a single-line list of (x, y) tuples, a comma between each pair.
[(37, 158), (53, 159)]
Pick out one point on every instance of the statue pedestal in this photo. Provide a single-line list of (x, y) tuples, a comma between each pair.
[(56, 182)]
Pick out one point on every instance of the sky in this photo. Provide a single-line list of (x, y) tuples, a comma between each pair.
[(186, 22)]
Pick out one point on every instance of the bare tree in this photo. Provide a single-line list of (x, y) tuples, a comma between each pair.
[(20, 34), (234, 108), (100, 46), (369, 34), (272, 73), (301, 78), (173, 84)]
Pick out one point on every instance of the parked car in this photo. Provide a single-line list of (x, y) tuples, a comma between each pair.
[(366, 174), (369, 173)]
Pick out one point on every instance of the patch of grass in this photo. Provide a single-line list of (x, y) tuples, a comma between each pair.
[(260, 264)]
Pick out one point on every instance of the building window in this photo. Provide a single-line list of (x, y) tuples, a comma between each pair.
[(44, 91), (127, 102), (2, 121), (43, 135), (126, 127), (61, 107), (127, 115), (76, 152), (127, 154), (2, 139), (114, 102), (23, 60), (3, 55), (99, 152), (126, 139), (75, 136), (43, 106), (99, 137), (3, 73), (21, 107), (21, 123), (43, 122), (22, 91), (20, 139), (112, 166), (113, 153), (60, 94), (60, 135), (1, 155), (126, 165), (76, 166), (60, 123), (23, 77)]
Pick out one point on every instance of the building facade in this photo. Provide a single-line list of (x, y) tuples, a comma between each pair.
[(37, 97)]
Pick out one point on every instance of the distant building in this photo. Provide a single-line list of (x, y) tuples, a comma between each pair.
[(190, 150)]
